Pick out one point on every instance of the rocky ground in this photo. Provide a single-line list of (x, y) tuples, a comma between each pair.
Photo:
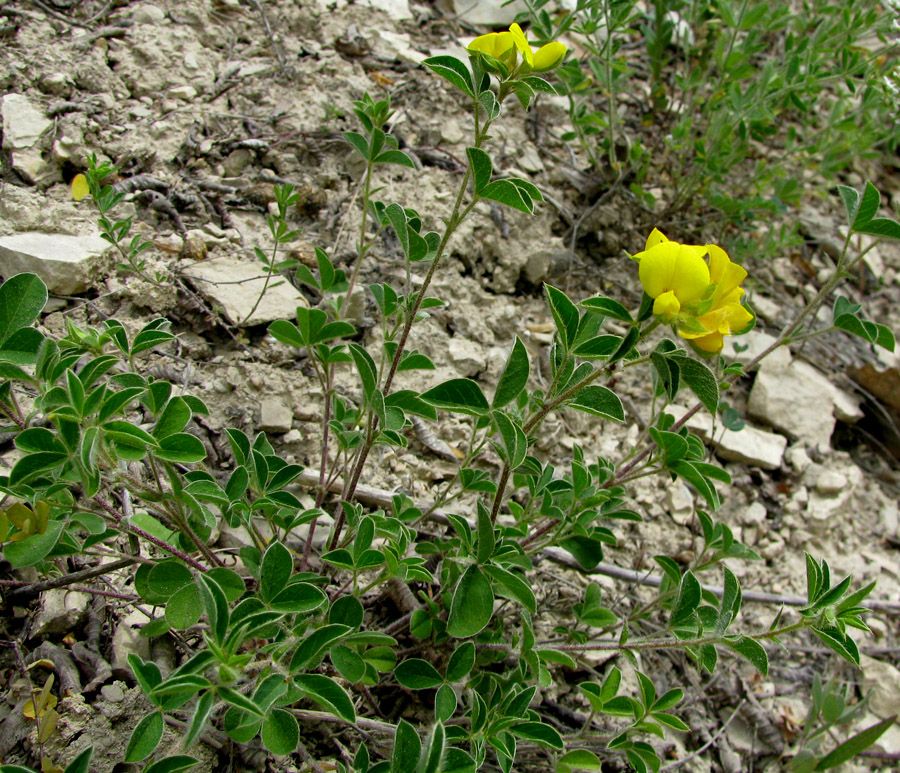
[(210, 102)]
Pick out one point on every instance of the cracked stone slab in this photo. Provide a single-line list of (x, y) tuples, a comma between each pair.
[(64, 262)]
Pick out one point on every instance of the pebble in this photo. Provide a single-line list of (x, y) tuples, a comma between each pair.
[(113, 693), (831, 482)]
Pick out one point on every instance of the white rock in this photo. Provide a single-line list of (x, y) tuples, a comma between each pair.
[(821, 508), (127, 640), (750, 445), (754, 515), (467, 356), (846, 405), (61, 610), (883, 680), (275, 415), (680, 502), (889, 516), (186, 93), (23, 122), (147, 13), (768, 309), (529, 159), (64, 262), (293, 436), (792, 402), (452, 132), (831, 482), (395, 9), (236, 300), (756, 342), (32, 167)]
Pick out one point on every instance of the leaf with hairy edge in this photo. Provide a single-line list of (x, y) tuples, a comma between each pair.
[(855, 745), (174, 764), (481, 166), (472, 605), (417, 674), (280, 732), (407, 748), (514, 377), (753, 651), (689, 597), (599, 401), (453, 70), (22, 297), (327, 693), (460, 395), (145, 738), (701, 381)]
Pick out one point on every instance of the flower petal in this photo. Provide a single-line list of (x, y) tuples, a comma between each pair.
[(666, 305), (80, 187), (521, 43), (691, 274), (548, 56), (656, 237), (724, 272), (494, 43)]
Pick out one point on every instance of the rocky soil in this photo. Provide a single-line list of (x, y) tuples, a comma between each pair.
[(207, 103)]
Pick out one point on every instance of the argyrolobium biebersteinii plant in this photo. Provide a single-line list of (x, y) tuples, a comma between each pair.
[(109, 466)]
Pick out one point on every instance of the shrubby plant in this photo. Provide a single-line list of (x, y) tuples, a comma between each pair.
[(109, 467)]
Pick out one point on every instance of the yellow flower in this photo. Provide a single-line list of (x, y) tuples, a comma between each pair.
[(80, 187), (495, 44), (702, 301), (522, 45), (673, 274)]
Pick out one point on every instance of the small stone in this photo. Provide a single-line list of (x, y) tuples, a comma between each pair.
[(488, 13), (452, 132), (756, 342), (292, 436), (680, 503), (275, 416), (754, 515), (538, 266), (797, 457), (184, 93), (883, 680), (193, 248), (127, 640), (466, 356), (32, 167), (890, 519), (23, 122), (234, 285), (62, 261), (113, 692), (831, 482), (529, 160), (61, 611), (147, 13)]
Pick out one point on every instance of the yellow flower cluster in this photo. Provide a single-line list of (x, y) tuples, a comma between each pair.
[(506, 46), (702, 300)]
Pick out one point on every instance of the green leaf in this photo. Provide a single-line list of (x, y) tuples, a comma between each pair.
[(359, 142), (472, 605), (365, 366), (182, 448), (433, 754), (701, 381), (671, 721), (513, 586), (515, 444), (185, 608), (508, 193), (514, 377), (35, 548), (350, 665), (461, 395), (167, 577), (22, 298), (599, 401), (689, 598), (417, 674), (394, 156), (565, 314), (880, 226), (855, 745), (287, 333), (868, 207), (481, 166), (145, 738), (850, 197), (241, 701), (461, 662), (453, 70), (607, 307), (327, 693), (174, 764), (297, 598), (200, 717), (538, 732), (753, 651), (174, 418), (407, 748), (578, 760), (274, 571), (280, 732), (312, 649)]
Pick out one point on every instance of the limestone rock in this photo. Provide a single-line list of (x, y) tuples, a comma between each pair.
[(275, 416), (61, 610), (487, 13), (147, 13), (23, 122), (846, 405), (63, 261), (790, 401), (750, 445), (822, 507), (236, 300), (883, 680), (466, 356)]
